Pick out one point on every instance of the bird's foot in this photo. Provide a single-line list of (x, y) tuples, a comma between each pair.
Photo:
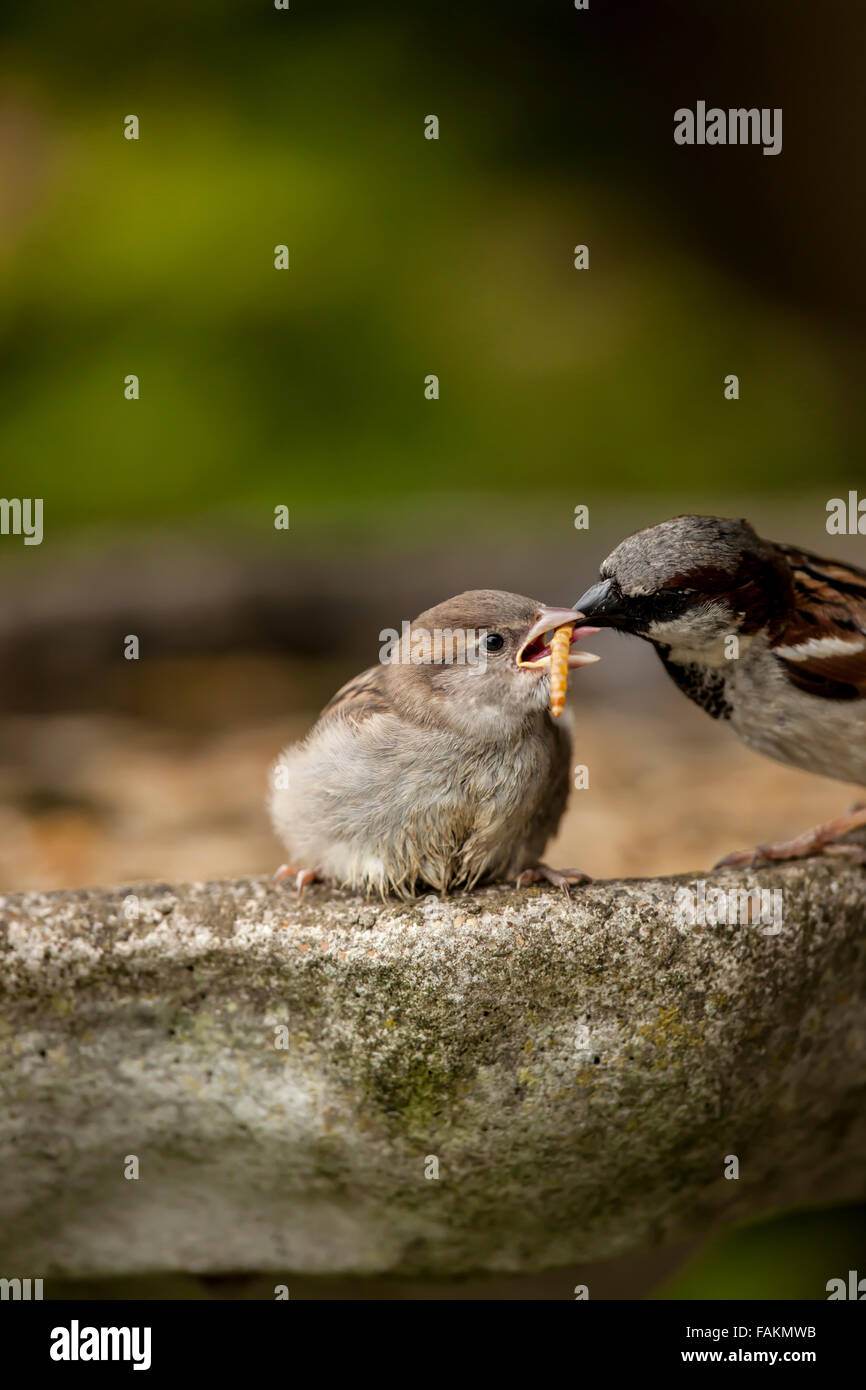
[(856, 853), (560, 878), (302, 877), (821, 839)]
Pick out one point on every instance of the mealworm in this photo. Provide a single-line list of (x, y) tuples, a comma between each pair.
[(559, 646)]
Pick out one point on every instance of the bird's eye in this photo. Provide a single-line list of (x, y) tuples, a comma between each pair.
[(494, 642)]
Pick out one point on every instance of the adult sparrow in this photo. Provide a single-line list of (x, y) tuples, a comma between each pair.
[(766, 637), (441, 767)]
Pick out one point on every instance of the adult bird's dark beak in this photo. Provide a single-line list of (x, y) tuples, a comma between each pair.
[(603, 605)]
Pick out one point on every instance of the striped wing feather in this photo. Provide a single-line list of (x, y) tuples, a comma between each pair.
[(823, 646), (361, 697)]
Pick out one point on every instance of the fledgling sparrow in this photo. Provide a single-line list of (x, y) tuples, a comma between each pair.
[(793, 685), (440, 768)]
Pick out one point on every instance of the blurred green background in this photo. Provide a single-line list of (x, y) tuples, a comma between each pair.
[(411, 256), (407, 257)]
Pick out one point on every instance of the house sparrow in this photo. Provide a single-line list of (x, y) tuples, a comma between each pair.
[(441, 767), (792, 685)]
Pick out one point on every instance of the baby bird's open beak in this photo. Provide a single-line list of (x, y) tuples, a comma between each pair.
[(535, 650)]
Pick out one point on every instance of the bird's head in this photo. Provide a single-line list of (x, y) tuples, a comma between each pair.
[(689, 583), (480, 661)]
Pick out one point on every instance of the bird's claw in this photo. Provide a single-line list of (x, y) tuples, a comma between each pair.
[(758, 858), (560, 878), (821, 839), (301, 876), (856, 853), (741, 858)]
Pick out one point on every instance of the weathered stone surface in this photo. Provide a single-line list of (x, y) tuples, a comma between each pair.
[(579, 1068)]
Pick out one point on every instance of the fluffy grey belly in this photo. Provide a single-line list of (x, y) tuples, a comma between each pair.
[(830, 741), (388, 806), (770, 715)]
